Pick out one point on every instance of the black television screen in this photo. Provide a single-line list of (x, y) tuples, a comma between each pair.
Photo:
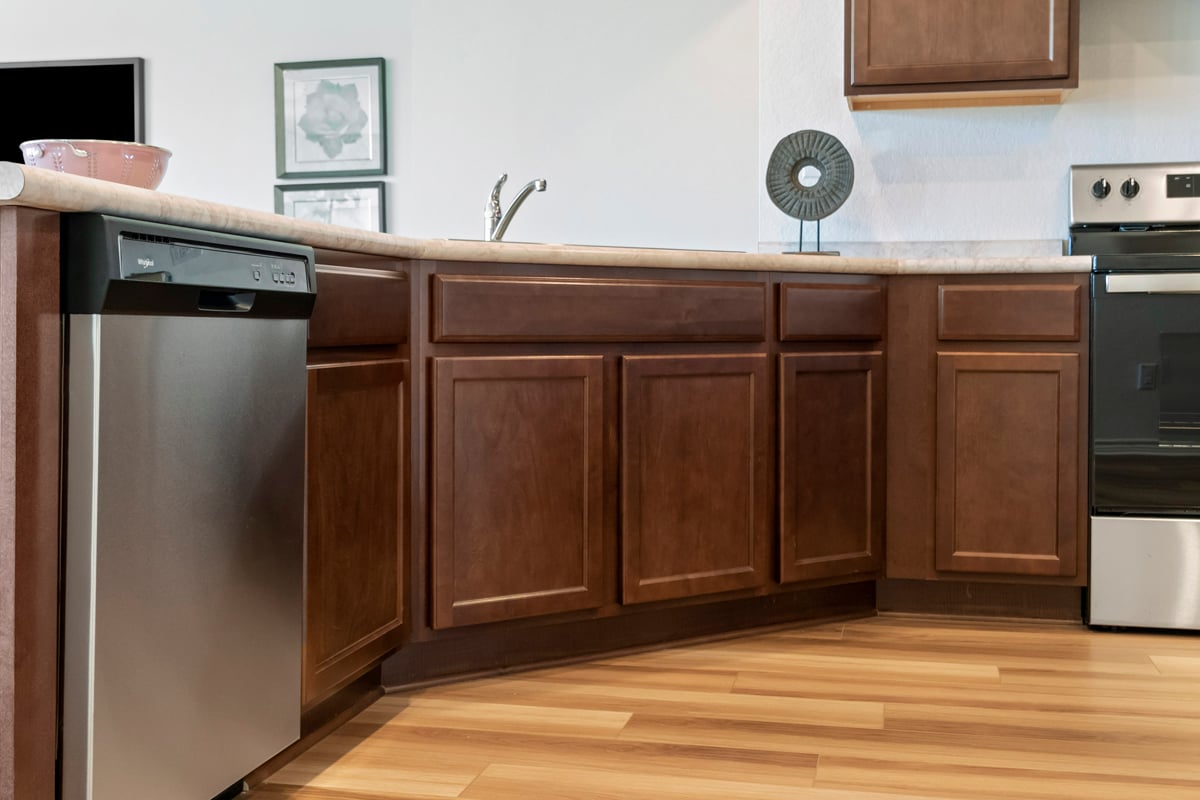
[(92, 99)]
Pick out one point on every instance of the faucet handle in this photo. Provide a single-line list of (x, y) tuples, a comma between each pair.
[(495, 198)]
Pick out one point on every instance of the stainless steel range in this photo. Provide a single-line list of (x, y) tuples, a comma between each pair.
[(1141, 223)]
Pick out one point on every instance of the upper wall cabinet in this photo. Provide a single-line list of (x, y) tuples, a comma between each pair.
[(937, 53)]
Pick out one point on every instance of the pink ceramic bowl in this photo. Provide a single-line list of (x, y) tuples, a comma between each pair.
[(120, 162)]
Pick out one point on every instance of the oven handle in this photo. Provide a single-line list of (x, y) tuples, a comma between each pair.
[(1153, 283)]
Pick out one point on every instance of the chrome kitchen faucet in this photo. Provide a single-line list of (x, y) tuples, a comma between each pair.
[(494, 223)]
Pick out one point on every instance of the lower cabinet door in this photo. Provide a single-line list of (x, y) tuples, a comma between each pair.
[(517, 487), (695, 509), (357, 481), (1008, 463), (831, 465)]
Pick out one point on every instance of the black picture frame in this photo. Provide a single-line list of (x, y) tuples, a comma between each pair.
[(331, 118), (84, 98)]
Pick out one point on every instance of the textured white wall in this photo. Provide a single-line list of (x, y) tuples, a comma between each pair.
[(641, 114), (982, 174)]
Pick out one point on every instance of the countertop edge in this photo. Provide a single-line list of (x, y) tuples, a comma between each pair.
[(38, 188)]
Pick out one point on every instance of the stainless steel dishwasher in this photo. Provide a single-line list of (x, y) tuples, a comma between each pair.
[(184, 512)]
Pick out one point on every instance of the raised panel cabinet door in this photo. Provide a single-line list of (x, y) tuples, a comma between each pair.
[(831, 465), (357, 485), (1008, 468), (695, 507), (517, 487), (958, 41)]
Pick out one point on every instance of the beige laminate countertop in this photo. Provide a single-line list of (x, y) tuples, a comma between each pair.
[(39, 188)]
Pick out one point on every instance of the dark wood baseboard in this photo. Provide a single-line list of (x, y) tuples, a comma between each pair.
[(971, 599), (500, 648), (323, 719)]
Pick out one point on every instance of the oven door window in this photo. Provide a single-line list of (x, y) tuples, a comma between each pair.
[(1145, 401)]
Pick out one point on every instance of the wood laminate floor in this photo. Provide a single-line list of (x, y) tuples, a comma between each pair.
[(877, 709)]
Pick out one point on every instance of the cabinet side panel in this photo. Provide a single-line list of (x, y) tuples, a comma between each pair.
[(912, 428), (30, 398)]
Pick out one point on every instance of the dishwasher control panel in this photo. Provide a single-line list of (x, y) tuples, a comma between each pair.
[(156, 258), (115, 265)]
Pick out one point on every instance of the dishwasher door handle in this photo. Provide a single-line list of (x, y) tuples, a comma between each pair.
[(228, 302)]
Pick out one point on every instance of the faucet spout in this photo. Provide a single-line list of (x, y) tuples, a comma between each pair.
[(496, 223)]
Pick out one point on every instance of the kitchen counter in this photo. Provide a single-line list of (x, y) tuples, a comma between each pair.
[(37, 188)]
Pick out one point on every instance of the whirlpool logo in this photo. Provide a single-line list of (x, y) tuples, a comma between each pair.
[(145, 262)]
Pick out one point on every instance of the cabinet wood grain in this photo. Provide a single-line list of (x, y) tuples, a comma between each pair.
[(830, 312), (904, 54), (1008, 469), (958, 41), (358, 307), (972, 489), (517, 511), (30, 418), (831, 465), (1009, 313), (357, 489), (479, 308), (694, 460)]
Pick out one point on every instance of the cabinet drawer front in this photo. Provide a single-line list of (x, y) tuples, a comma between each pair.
[(476, 308), (359, 307), (1009, 313), (830, 312)]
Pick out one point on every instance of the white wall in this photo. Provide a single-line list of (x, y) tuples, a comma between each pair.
[(641, 115), (210, 74), (982, 174), (651, 119)]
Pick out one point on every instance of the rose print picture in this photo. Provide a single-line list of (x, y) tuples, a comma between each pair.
[(330, 118), (333, 117)]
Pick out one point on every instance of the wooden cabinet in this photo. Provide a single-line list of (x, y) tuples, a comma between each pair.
[(908, 53), (517, 511), (987, 428), (831, 427), (1008, 467), (354, 595), (831, 468), (695, 513), (358, 475)]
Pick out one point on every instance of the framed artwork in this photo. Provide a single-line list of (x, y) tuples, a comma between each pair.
[(330, 118), (351, 205)]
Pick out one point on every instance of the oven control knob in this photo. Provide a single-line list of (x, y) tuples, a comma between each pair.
[(1130, 188), (1101, 188)]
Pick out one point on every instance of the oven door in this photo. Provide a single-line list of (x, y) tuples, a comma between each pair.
[(1145, 457)]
